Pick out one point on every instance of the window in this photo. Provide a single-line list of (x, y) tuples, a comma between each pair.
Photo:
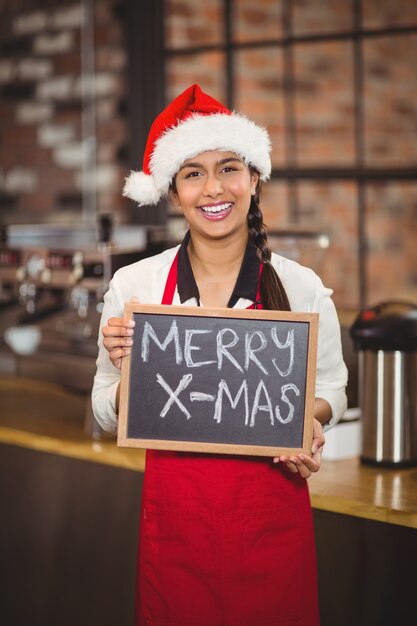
[(336, 86)]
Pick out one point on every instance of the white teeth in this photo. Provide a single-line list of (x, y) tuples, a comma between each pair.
[(217, 208)]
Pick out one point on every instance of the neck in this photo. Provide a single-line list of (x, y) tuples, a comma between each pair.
[(216, 258)]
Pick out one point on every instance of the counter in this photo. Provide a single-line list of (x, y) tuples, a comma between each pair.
[(70, 520), (45, 417), (55, 425)]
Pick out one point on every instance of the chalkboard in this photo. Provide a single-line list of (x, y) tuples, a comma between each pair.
[(236, 381)]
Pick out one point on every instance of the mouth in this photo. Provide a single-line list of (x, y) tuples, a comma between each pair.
[(216, 211)]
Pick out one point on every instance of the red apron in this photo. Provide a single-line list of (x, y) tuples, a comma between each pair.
[(224, 540)]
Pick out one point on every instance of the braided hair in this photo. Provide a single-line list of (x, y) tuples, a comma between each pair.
[(272, 291)]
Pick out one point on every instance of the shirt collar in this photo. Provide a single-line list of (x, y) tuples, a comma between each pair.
[(246, 284)]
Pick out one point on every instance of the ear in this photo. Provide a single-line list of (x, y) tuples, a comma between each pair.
[(174, 200), (254, 180)]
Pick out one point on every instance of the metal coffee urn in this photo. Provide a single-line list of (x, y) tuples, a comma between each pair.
[(386, 337)]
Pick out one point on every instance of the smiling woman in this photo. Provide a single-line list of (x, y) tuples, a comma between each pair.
[(235, 534)]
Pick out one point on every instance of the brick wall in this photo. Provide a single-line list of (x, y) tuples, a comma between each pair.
[(41, 124), (317, 130), (44, 90)]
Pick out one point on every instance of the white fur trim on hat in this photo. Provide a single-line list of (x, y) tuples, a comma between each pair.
[(198, 133), (141, 187)]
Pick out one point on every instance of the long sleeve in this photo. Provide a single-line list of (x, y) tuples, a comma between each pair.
[(107, 376), (331, 375), (145, 280), (307, 293)]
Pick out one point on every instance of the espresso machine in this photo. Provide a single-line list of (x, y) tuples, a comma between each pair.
[(52, 283)]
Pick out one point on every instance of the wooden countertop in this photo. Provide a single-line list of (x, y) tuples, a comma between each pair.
[(45, 417), (380, 494)]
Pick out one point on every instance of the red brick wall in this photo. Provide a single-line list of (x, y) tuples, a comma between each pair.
[(41, 123), (324, 126)]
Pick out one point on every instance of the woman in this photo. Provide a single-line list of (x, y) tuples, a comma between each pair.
[(224, 540)]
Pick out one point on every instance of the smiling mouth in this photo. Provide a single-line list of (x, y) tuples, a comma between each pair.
[(216, 210)]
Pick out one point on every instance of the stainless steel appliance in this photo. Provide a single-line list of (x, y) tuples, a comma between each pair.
[(52, 282), (386, 337)]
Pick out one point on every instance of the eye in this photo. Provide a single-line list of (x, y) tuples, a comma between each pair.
[(193, 174), (227, 169)]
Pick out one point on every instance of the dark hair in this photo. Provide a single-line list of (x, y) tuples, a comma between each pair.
[(273, 294)]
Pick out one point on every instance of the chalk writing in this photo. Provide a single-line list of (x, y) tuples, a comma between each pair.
[(149, 333), (173, 395), (226, 339), (290, 415), (289, 343), (223, 389), (200, 377)]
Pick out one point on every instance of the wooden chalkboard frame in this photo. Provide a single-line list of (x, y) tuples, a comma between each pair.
[(197, 446)]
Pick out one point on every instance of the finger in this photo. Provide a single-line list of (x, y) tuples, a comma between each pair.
[(117, 330), (304, 471), (302, 468), (112, 343), (121, 322), (134, 299), (289, 463), (318, 436), (293, 468), (117, 355), (317, 444), (286, 460), (311, 464)]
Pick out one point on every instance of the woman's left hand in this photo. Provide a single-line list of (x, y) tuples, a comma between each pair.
[(302, 463)]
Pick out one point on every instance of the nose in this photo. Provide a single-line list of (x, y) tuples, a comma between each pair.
[(213, 186)]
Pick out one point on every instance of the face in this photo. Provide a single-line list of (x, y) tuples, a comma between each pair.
[(213, 191)]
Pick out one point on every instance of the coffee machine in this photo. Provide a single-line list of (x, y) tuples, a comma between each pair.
[(52, 283)]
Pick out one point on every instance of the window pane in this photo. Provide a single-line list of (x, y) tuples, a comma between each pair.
[(190, 23), (391, 101), (259, 93), (183, 70), (321, 16), (257, 21), (383, 13), (324, 104), (332, 206), (391, 226)]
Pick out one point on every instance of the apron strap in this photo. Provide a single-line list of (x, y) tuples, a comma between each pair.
[(171, 285), (258, 302)]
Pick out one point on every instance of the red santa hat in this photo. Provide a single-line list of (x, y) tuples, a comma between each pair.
[(193, 123)]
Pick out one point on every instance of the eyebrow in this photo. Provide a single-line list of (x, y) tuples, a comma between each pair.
[(221, 162)]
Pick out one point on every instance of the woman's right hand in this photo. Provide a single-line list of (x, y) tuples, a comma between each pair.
[(118, 338)]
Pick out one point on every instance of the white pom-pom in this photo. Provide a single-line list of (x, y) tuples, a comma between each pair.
[(141, 188)]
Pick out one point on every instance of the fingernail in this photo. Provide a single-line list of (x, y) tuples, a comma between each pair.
[(131, 323)]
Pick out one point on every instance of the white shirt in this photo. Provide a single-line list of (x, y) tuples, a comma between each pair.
[(146, 280)]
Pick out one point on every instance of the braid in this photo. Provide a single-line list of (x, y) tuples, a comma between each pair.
[(272, 290), (257, 231)]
